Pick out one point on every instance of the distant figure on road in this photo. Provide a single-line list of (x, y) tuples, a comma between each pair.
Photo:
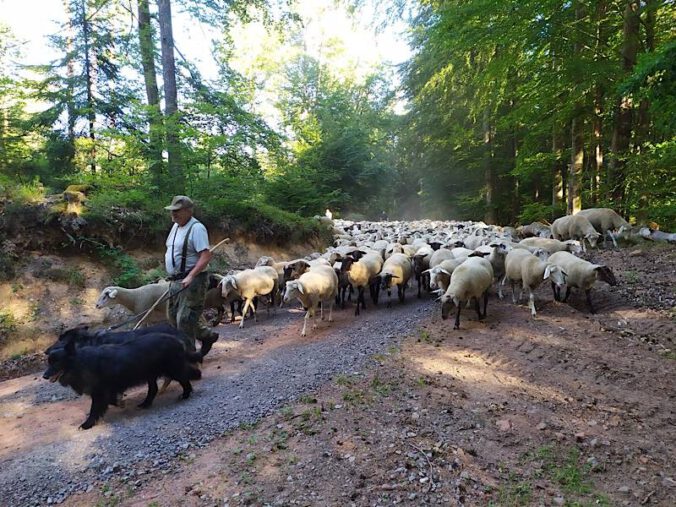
[(328, 214), (383, 216)]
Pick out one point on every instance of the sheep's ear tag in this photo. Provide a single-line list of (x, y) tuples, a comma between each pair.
[(548, 271)]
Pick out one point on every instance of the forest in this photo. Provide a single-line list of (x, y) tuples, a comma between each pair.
[(506, 112)]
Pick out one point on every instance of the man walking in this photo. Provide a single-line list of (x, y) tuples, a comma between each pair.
[(186, 259)]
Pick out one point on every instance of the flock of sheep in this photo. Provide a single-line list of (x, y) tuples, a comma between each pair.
[(456, 261)]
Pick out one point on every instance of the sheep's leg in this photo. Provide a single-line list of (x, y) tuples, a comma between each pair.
[(314, 316), (321, 310), (612, 236), (477, 307), (485, 302), (565, 298), (587, 293), (520, 294), (400, 293), (531, 302), (305, 319), (165, 384), (500, 284), (511, 284), (457, 317), (330, 311), (556, 290), (360, 299), (418, 279), (247, 304)]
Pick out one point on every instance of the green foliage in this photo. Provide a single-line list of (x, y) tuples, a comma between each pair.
[(125, 270), (539, 212), (8, 325)]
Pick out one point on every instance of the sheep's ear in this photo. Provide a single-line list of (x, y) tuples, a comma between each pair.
[(395, 277), (445, 271), (112, 294), (300, 288), (548, 272)]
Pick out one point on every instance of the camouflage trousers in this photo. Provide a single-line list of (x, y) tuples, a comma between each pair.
[(184, 309)]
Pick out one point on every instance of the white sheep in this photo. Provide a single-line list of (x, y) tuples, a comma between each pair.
[(440, 275), (362, 274), (249, 284), (605, 221), (521, 265), (471, 279), (439, 256), (552, 245), (397, 270), (575, 227), (581, 274), (136, 300), (318, 285)]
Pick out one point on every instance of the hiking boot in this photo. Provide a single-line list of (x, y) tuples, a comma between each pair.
[(207, 342)]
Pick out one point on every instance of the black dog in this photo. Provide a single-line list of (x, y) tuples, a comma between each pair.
[(104, 372), (83, 336)]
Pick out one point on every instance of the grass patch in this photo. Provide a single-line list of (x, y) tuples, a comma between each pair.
[(515, 493), (8, 325)]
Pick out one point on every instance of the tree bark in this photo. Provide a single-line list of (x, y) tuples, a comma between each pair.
[(557, 174), (599, 97), (89, 81), (70, 74), (624, 108), (171, 120), (574, 201), (489, 175), (147, 46)]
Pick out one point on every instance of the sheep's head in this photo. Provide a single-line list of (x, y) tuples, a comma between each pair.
[(604, 274), (386, 280), (292, 291), (593, 237), (265, 261), (228, 285), (106, 297), (573, 246), (447, 301), (555, 274)]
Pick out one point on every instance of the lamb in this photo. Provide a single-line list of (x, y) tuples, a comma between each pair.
[(575, 227), (278, 266), (440, 275), (136, 300), (318, 285), (496, 253), (552, 245), (248, 284), (522, 265), (605, 221), (362, 274), (397, 270), (471, 279), (580, 274)]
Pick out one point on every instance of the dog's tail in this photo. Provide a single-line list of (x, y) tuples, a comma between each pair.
[(194, 373)]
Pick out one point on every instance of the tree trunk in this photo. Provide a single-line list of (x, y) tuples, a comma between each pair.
[(171, 114), (89, 80), (70, 74), (574, 201), (489, 175), (557, 174), (599, 96), (624, 108), (147, 46)]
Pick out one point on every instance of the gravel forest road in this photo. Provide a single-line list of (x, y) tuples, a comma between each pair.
[(250, 373)]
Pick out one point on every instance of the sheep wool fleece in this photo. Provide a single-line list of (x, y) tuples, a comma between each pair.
[(185, 309)]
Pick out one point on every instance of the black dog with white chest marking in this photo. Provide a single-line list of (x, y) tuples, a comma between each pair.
[(105, 371)]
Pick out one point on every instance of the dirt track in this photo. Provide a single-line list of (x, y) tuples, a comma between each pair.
[(487, 413)]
